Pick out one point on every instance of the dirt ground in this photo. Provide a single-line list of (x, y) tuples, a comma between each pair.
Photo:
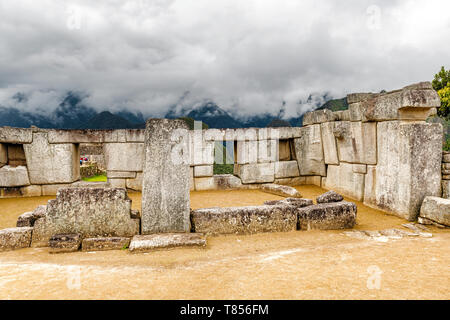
[(293, 265)]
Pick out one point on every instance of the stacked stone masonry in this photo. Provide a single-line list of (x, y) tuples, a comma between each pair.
[(380, 151)]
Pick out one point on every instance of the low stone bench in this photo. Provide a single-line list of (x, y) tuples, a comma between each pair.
[(245, 220), (144, 243), (327, 216)]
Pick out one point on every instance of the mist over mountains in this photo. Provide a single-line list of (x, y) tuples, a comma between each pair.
[(72, 113)]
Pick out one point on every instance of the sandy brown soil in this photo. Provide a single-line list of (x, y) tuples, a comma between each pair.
[(294, 265)]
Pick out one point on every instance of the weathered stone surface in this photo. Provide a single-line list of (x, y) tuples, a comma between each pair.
[(247, 152), (280, 190), (256, 173), (218, 182), (117, 183), (52, 189), (203, 171), (191, 179), (286, 169), (446, 177), (143, 243), (446, 189), (244, 220), (436, 209), (90, 212), (28, 219), (357, 142), (405, 104), (297, 181), (330, 196), (15, 238), (124, 156), (358, 97), (31, 191), (201, 151), (15, 135), (268, 150), (313, 180), (342, 179), (78, 136), (425, 221), (3, 154), (329, 143), (370, 191), (13, 176), (327, 216), (446, 157), (136, 183), (105, 243), (165, 195), (296, 202), (356, 111), (318, 116), (359, 168), (61, 243), (409, 166), (51, 163), (309, 152), (121, 174)]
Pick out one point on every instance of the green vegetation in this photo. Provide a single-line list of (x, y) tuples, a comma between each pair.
[(336, 105), (99, 178), (441, 83), (227, 165)]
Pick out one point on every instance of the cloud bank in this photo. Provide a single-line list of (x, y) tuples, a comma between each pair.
[(248, 56)]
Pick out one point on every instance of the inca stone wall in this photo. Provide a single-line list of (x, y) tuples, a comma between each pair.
[(379, 151)]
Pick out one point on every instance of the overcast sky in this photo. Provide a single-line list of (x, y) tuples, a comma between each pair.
[(246, 55)]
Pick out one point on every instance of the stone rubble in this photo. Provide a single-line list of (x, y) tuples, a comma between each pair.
[(62, 243), (105, 243), (15, 238), (28, 219), (327, 216), (330, 196), (280, 190)]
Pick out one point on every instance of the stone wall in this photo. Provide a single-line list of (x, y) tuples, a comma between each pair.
[(446, 175), (380, 151)]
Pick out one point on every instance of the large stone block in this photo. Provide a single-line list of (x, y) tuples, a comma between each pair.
[(318, 116), (256, 173), (409, 166), (15, 135), (245, 220), (436, 209), (144, 243), (124, 156), (90, 212), (62, 243), (218, 182), (31, 191), (446, 189), (165, 194), (327, 216), (370, 186), (51, 163), (357, 142), (201, 150), (329, 143), (136, 183), (15, 238), (343, 180), (246, 152), (280, 190), (286, 169), (411, 103), (77, 136), (14, 176), (203, 171), (309, 152)]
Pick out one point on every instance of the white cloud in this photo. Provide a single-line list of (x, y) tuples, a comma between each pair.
[(247, 56)]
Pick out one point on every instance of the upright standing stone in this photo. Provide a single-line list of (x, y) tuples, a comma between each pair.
[(165, 194)]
